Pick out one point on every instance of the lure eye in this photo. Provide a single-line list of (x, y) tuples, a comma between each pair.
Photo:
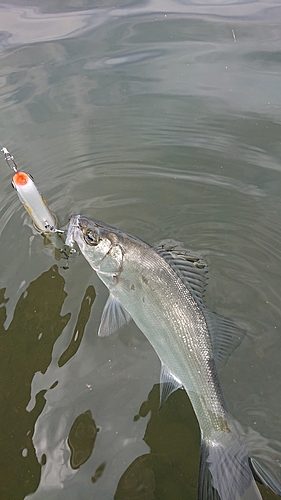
[(91, 237)]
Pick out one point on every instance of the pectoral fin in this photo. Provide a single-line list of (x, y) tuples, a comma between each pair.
[(113, 317), (168, 384)]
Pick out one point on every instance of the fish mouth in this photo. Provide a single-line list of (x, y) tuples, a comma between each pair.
[(77, 226), (73, 232)]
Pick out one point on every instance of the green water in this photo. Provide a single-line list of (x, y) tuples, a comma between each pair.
[(163, 120)]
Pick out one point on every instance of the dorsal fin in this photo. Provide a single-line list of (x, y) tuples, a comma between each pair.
[(225, 334), (190, 267)]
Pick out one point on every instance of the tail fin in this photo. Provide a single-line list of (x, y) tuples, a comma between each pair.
[(266, 476), (265, 457), (224, 472)]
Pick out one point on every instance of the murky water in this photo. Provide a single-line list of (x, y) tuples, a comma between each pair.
[(163, 119)]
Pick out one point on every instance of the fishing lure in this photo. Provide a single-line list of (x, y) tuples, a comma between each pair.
[(31, 198)]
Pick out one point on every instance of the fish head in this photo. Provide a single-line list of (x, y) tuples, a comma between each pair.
[(98, 243)]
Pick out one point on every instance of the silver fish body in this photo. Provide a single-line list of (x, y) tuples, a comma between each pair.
[(153, 287)]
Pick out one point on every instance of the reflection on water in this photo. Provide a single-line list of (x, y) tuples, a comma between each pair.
[(167, 470), (163, 120), (81, 439), (82, 320), (26, 346), (86, 385)]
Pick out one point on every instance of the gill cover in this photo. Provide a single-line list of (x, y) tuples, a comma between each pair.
[(101, 248)]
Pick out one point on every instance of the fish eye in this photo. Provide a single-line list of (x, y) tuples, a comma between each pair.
[(91, 237)]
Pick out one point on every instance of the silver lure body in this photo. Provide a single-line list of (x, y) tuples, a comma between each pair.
[(146, 287)]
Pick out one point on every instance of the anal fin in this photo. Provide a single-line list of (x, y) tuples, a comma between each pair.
[(168, 384)]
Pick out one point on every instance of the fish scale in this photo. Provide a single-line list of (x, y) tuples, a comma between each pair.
[(190, 360)]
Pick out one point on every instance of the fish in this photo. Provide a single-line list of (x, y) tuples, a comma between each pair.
[(162, 290)]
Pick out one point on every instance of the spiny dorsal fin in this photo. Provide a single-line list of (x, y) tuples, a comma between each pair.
[(190, 267)]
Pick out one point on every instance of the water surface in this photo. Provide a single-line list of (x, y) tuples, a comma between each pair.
[(162, 119)]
